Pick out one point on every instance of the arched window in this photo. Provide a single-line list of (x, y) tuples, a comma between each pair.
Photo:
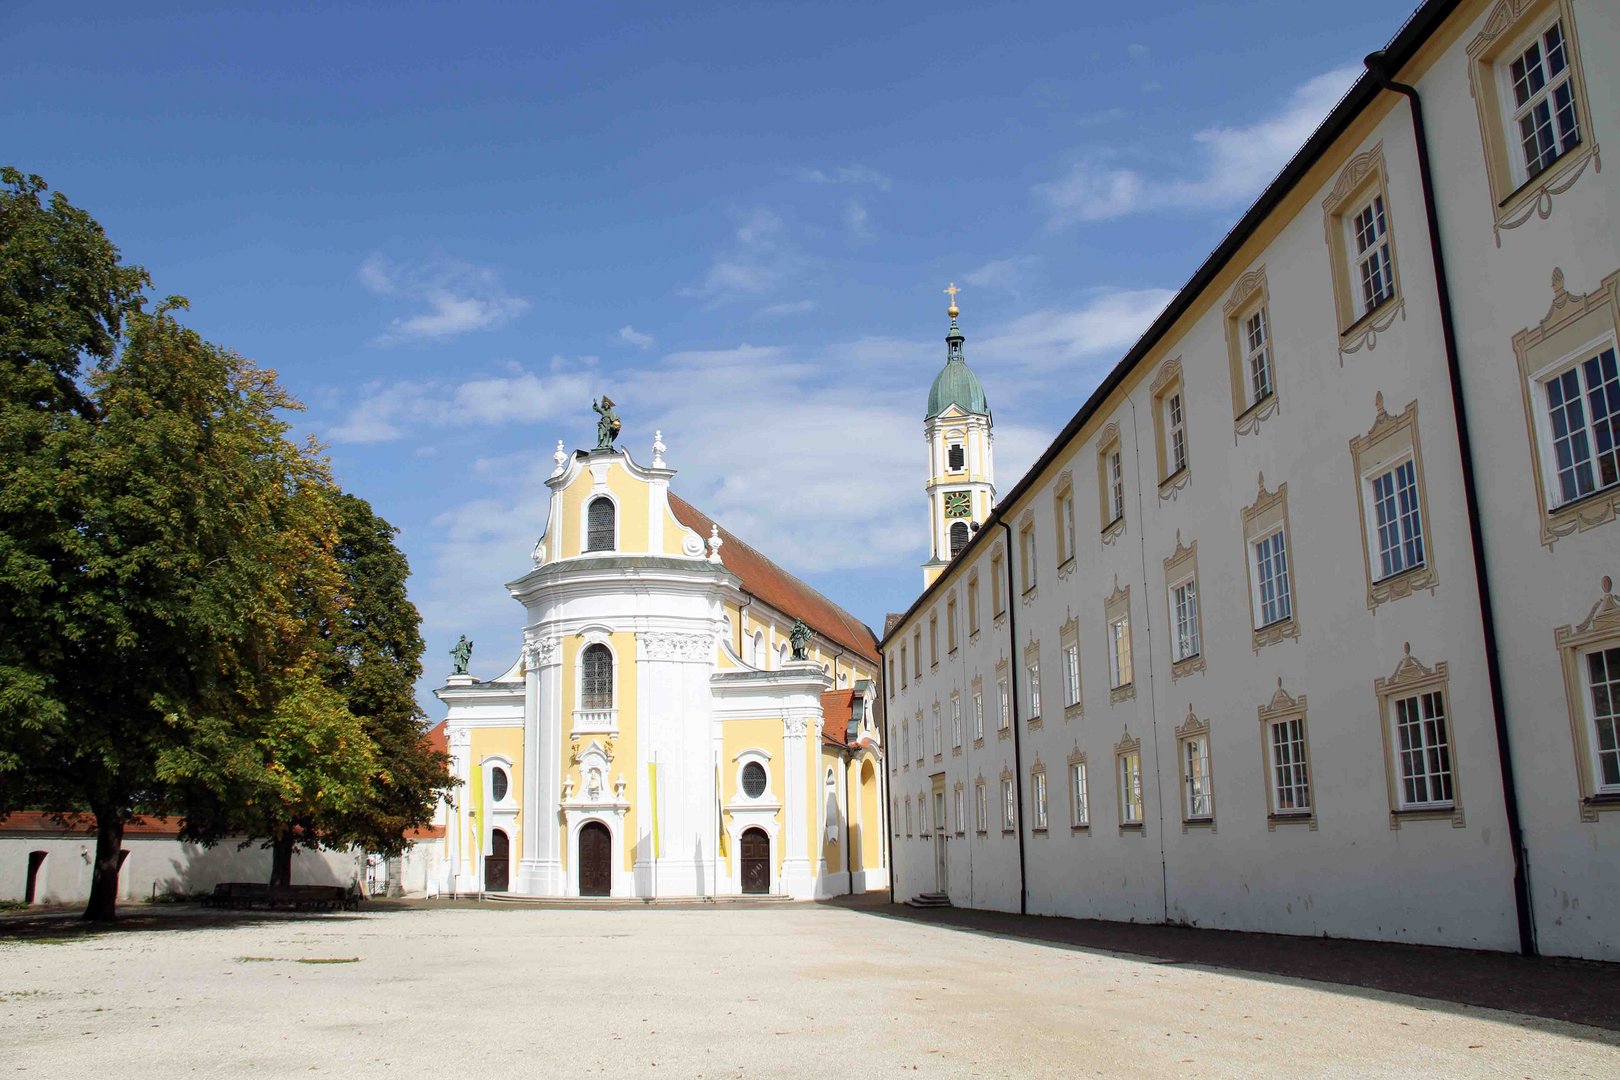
[(596, 672), (599, 525), (783, 655), (759, 649), (959, 537)]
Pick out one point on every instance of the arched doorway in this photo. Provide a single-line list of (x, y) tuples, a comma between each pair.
[(595, 860), (756, 861), (498, 863)]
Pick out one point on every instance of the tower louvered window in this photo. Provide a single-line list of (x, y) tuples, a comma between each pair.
[(599, 526), (597, 676), (959, 537)]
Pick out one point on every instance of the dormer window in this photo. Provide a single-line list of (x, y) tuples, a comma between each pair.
[(599, 525), (956, 457)]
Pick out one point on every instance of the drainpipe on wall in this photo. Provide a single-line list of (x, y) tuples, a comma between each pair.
[(1377, 66), (1012, 690), (883, 773)]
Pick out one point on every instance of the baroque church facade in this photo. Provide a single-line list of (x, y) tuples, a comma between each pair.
[(685, 718), (1306, 621)]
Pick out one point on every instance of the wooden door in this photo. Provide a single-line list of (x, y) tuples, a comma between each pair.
[(498, 863), (595, 860), (756, 862), (942, 863)]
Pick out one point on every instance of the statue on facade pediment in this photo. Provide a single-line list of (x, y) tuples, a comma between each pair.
[(607, 423), (800, 636), (461, 656)]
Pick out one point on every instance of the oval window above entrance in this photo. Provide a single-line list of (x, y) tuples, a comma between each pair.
[(498, 784), (753, 779)]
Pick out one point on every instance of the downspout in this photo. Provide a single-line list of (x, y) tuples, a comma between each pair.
[(886, 807), (1377, 66), (1012, 689)]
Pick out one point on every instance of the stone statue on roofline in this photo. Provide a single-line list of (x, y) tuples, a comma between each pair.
[(800, 636), (461, 655), (607, 423)]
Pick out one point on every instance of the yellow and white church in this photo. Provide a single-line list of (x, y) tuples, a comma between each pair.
[(656, 737)]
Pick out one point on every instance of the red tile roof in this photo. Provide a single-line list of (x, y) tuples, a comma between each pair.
[(436, 738), (784, 592), (837, 706), (41, 821)]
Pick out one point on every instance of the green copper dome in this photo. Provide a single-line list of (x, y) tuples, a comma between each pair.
[(956, 384)]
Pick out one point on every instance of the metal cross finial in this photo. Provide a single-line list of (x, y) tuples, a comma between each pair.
[(951, 291)]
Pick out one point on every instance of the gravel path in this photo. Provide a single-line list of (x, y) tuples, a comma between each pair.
[(782, 991)]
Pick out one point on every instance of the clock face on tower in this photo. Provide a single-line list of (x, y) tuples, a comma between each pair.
[(958, 504)]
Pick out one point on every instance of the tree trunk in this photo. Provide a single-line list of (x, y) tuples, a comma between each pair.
[(281, 853), (103, 905)]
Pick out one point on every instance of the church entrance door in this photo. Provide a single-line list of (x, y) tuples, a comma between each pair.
[(498, 863), (595, 860), (756, 862)]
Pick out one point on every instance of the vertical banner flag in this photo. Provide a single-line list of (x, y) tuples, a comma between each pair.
[(652, 791)]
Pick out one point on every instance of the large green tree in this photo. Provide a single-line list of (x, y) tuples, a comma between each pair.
[(342, 761)]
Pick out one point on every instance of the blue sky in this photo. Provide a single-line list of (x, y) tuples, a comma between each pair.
[(449, 226)]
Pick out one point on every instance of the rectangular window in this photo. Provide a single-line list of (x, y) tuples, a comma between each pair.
[(956, 721), (1398, 520), (1184, 641), (1423, 751), (1374, 271), (916, 654), (961, 818), (891, 678), (1544, 114), (933, 639), (1257, 355), (1583, 406), (1130, 788), (997, 603), (1033, 670), (1198, 802), (1116, 484), (908, 817), (1026, 549), (1291, 783), (1009, 807), (1067, 508), (938, 747), (1040, 801), (1603, 698), (980, 810), (1274, 601), (905, 740), (1176, 431), (1119, 652), (973, 605), (922, 816), (1079, 812), (904, 667), (950, 625), (1071, 674), (978, 715), (1005, 716)]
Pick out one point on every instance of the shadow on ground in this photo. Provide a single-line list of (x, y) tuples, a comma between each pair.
[(1576, 991)]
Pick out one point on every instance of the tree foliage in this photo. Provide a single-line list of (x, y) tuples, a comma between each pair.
[(194, 618)]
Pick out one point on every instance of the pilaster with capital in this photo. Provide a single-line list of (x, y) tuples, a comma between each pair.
[(540, 872), (797, 879)]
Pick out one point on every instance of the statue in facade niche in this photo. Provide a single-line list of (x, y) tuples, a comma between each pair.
[(461, 655), (800, 636), (607, 423)]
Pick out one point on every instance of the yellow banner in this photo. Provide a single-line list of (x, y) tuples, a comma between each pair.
[(652, 791)]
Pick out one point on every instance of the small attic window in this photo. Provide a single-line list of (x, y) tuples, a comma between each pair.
[(957, 457)]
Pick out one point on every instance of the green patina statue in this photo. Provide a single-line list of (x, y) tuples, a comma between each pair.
[(462, 655), (800, 636), (607, 424)]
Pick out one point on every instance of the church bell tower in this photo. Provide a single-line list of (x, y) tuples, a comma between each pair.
[(961, 460)]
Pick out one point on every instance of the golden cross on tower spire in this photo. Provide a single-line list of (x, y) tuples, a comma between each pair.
[(953, 311)]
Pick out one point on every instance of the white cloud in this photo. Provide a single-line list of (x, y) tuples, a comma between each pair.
[(1000, 274), (759, 257), (857, 220), (454, 297), (1234, 163), (846, 174), (386, 411), (787, 307), (1137, 51), (631, 336)]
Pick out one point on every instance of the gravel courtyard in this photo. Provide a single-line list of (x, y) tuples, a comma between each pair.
[(788, 990)]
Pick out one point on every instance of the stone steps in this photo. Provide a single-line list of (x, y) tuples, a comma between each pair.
[(929, 900)]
